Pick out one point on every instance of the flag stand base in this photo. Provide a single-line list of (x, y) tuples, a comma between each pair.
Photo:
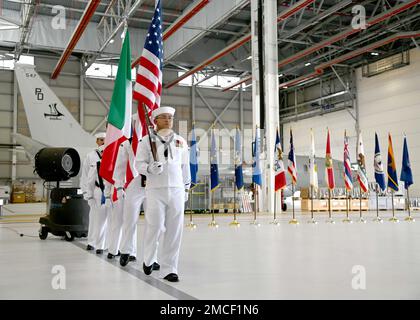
[(330, 220), (377, 219), (409, 219), (235, 223), (361, 220), (393, 219), (275, 222), (213, 224), (255, 223), (313, 221), (347, 220), (294, 221), (191, 225)]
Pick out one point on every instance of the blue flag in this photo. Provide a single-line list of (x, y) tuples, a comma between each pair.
[(256, 167), (379, 168), (193, 159), (239, 178), (406, 174), (214, 167)]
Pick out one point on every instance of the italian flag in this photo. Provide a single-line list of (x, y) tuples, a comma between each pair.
[(119, 117)]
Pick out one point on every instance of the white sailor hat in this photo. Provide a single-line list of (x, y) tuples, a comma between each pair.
[(100, 135), (162, 110)]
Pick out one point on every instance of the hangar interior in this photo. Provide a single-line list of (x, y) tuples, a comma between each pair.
[(332, 65)]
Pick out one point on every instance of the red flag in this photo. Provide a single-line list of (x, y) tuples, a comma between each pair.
[(329, 174), (279, 172)]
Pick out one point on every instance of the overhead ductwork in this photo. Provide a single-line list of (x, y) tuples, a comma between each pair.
[(342, 35), (241, 41), (373, 21), (319, 69)]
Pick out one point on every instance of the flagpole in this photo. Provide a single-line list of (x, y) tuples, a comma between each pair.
[(275, 222), (360, 207), (347, 219), (235, 222), (191, 225), (377, 219), (393, 219), (409, 218), (330, 219), (312, 206), (294, 220), (255, 222), (213, 222)]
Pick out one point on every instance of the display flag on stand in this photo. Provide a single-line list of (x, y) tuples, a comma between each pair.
[(256, 172), (347, 164), (279, 172), (291, 168), (329, 169), (214, 166), (313, 169), (148, 85), (361, 172), (120, 110), (406, 173), (239, 177), (193, 159), (379, 168), (392, 168)]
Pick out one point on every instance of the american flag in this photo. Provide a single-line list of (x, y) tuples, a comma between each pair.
[(148, 86), (347, 165), (292, 160)]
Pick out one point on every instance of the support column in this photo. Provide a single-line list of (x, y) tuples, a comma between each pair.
[(81, 96), (271, 88), (241, 107), (255, 74), (15, 110), (254, 64), (356, 102), (192, 100)]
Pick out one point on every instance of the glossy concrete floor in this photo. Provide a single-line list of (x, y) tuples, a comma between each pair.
[(323, 261)]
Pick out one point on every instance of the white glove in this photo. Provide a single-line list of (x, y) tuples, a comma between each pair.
[(91, 202), (155, 167), (186, 196)]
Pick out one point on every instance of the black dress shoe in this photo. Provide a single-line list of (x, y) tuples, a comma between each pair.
[(89, 247), (172, 277), (147, 270), (99, 251), (156, 266), (132, 258), (124, 259), (118, 254), (110, 256)]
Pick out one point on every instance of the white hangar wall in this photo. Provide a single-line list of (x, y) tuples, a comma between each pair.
[(388, 102)]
